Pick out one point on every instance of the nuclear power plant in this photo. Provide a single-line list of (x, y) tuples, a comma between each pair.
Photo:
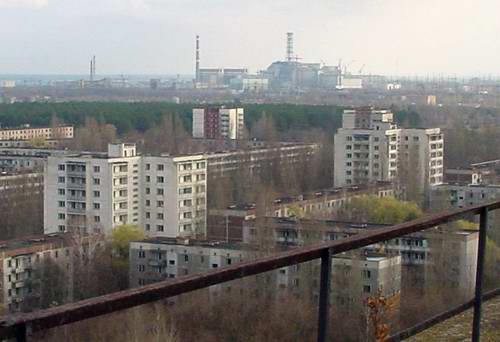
[(288, 74)]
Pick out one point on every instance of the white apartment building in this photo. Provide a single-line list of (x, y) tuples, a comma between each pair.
[(164, 195), (218, 123), (28, 133), (370, 147), (174, 199)]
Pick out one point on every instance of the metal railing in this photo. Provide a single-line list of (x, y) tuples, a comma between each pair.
[(23, 325)]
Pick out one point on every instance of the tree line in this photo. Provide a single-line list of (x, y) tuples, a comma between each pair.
[(139, 116)]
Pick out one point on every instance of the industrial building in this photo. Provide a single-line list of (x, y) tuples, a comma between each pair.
[(293, 75)]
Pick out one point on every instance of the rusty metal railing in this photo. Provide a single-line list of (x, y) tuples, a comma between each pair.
[(21, 326)]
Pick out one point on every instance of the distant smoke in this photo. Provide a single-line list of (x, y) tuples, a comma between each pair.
[(24, 3)]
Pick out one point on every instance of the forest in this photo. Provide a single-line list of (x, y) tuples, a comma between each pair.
[(141, 117)]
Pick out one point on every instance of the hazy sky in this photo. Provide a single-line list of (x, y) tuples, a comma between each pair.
[(157, 36)]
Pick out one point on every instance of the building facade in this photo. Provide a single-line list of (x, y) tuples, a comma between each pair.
[(253, 160), (28, 133), (370, 147), (23, 264), (163, 195), (218, 123)]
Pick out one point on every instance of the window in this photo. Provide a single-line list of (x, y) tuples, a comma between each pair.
[(61, 191), (186, 257), (148, 227), (62, 204), (367, 288), (148, 203), (160, 167), (159, 191), (200, 177), (148, 191), (148, 214), (62, 167), (159, 204), (97, 194), (61, 228), (97, 169), (97, 219), (97, 206), (185, 191), (148, 167), (148, 179), (97, 181), (61, 179), (61, 216), (160, 179), (367, 274), (159, 216), (142, 254), (159, 228), (200, 165), (141, 268)]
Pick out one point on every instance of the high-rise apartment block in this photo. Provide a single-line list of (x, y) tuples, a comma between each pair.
[(370, 147), (218, 123), (164, 195)]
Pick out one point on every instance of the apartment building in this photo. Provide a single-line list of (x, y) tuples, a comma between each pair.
[(174, 195), (286, 155), (228, 223), (160, 259), (218, 123), (163, 195), (367, 275), (370, 147), (28, 133), (438, 254), (23, 263), (13, 159)]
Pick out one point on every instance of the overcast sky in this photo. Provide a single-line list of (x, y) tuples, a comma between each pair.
[(157, 36)]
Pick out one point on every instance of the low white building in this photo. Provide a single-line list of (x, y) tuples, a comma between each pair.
[(28, 133)]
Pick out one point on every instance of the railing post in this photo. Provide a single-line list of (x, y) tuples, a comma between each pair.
[(324, 295), (478, 299), (21, 332)]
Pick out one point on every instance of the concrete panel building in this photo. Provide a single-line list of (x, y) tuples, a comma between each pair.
[(218, 123), (28, 133), (22, 265), (370, 147), (164, 195)]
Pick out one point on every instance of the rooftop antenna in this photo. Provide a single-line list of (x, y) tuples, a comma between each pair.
[(197, 74), (289, 46)]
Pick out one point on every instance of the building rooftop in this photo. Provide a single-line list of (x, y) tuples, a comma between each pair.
[(33, 241)]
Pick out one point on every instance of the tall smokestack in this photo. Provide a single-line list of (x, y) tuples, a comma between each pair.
[(93, 65), (197, 59), (289, 46), (91, 70)]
